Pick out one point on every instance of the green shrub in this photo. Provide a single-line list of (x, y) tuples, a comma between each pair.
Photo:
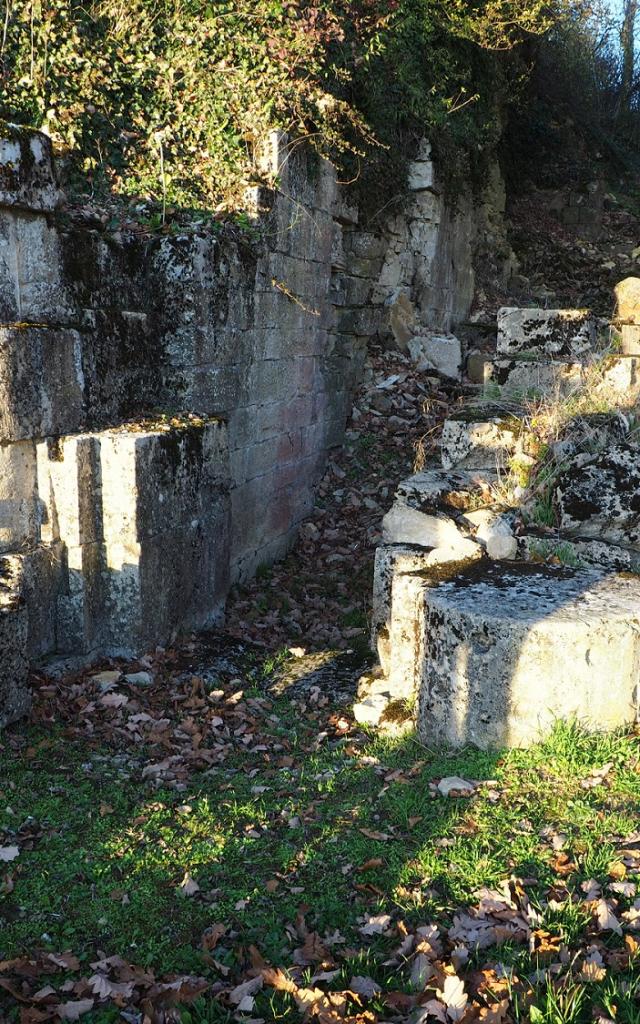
[(171, 99)]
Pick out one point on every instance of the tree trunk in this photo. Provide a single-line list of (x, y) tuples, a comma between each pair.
[(627, 43)]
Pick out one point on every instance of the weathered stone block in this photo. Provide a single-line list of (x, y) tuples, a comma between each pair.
[(439, 352), (478, 444), (421, 175), (18, 495), (505, 650), (393, 561), (475, 366), (405, 525), (494, 530), (453, 492), (400, 319), (598, 496), (41, 382), (143, 518), (127, 484), (26, 169), (41, 582), (526, 378), (628, 300), (31, 272), (365, 245), (630, 339), (621, 379), (132, 596), (536, 547), (555, 333)]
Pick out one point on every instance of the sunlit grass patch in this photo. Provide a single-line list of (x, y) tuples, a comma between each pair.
[(353, 828)]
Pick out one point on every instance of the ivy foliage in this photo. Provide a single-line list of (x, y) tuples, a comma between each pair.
[(171, 99)]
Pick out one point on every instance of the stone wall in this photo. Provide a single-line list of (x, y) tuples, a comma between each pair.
[(167, 403)]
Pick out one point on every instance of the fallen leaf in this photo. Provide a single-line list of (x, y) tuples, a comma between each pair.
[(74, 1010), (242, 995), (364, 986), (376, 925), (276, 978), (607, 920), (495, 1014), (381, 837), (592, 971), (454, 996), (8, 853), (212, 935), (422, 971), (104, 988), (369, 865), (188, 886)]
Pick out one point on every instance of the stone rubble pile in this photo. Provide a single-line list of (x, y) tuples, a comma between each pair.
[(499, 604)]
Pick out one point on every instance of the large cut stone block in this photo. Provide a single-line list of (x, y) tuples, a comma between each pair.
[(540, 547), (394, 562), (519, 379), (505, 650), (168, 478), (621, 379), (630, 339), (18, 495), (143, 516), (70, 489), (478, 444), (628, 300), (32, 287), (118, 598), (598, 496), (406, 525), (14, 691), (41, 581), (126, 484), (26, 169), (554, 333), (41, 382)]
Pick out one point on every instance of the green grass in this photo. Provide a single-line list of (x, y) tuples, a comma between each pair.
[(105, 873)]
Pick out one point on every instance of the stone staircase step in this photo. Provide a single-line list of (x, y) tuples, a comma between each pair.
[(520, 379), (452, 492), (498, 652), (552, 333), (496, 649), (479, 441)]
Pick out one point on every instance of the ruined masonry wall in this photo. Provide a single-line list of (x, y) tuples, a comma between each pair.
[(113, 534)]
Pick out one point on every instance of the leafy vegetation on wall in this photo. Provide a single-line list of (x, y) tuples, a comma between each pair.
[(170, 99)]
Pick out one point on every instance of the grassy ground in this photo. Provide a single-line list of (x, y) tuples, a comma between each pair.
[(310, 826)]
